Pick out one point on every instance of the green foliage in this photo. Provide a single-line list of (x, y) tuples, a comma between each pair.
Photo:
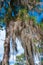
[(35, 22), (16, 64), (37, 0), (23, 14), (34, 40), (33, 19), (40, 50), (19, 57), (20, 60), (41, 25)]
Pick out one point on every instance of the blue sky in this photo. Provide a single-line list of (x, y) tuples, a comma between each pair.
[(19, 47)]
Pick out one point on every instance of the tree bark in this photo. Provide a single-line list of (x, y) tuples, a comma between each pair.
[(28, 52), (27, 45), (6, 47), (9, 34)]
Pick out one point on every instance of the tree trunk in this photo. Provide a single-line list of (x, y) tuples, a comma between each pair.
[(27, 45), (9, 34), (25, 38), (6, 47), (28, 53)]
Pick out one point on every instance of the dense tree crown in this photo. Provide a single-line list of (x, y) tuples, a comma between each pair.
[(10, 7)]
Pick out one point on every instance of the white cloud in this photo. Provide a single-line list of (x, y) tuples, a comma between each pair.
[(19, 47), (2, 38), (12, 57)]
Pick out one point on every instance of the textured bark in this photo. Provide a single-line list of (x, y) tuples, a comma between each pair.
[(25, 34), (26, 31), (27, 48), (9, 34), (28, 34), (6, 47)]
